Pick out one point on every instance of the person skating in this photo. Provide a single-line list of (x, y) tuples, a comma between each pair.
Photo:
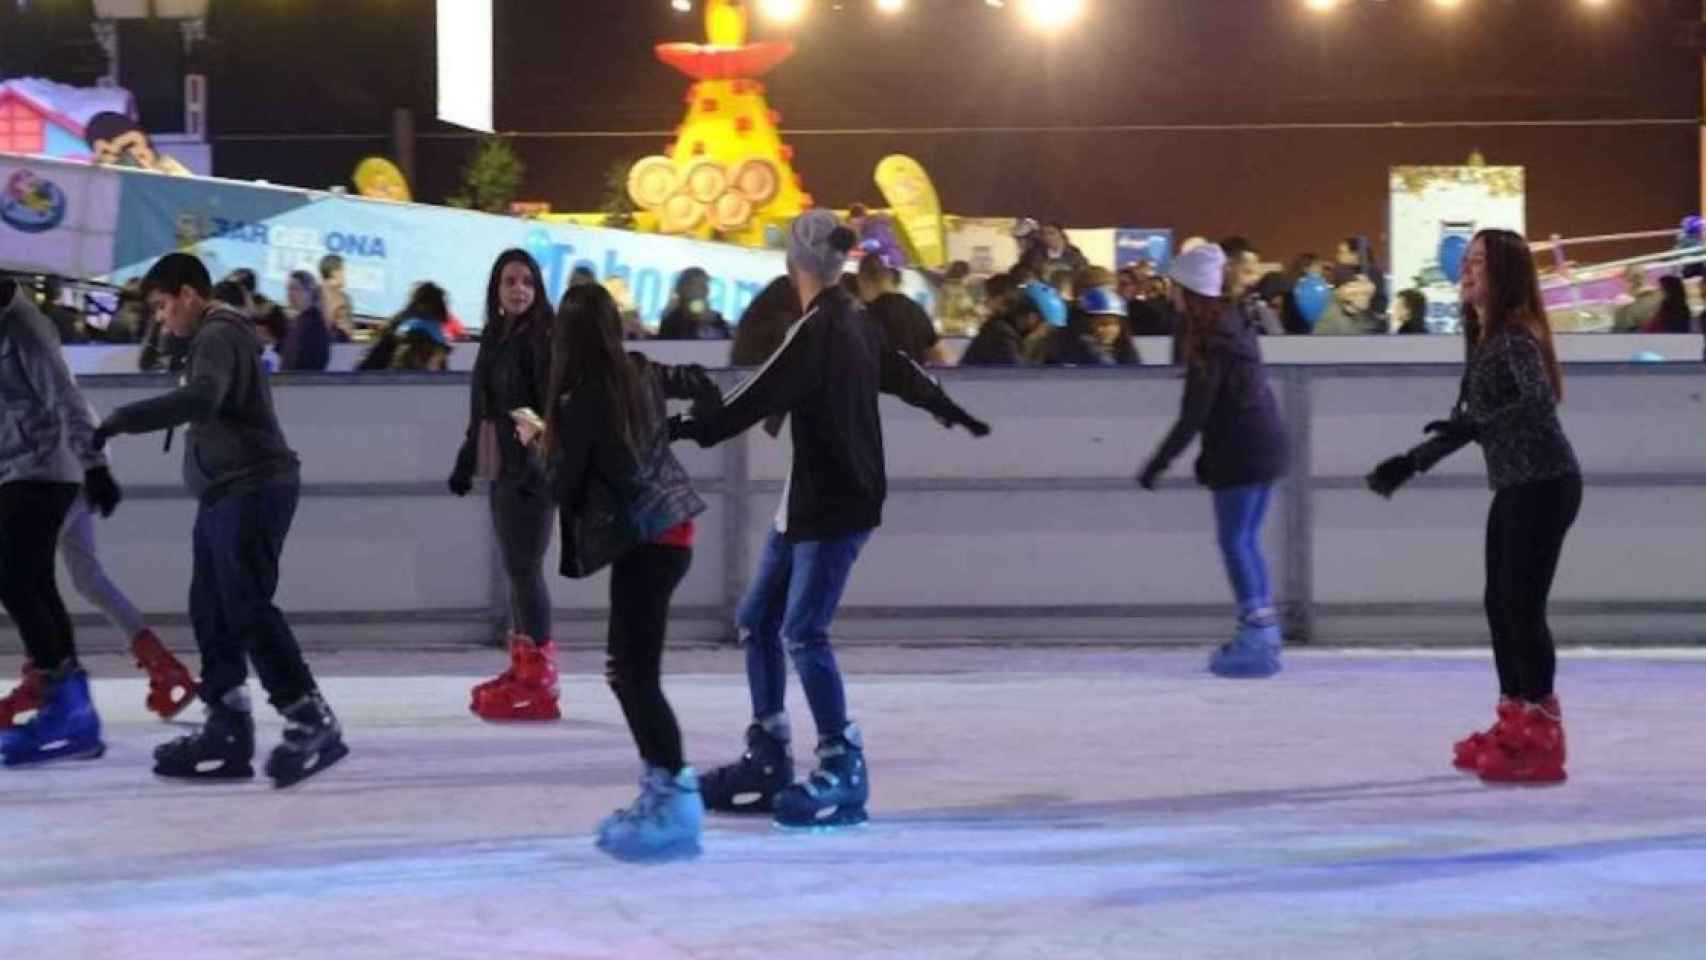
[(512, 372), (247, 482), (612, 470), (1508, 403), (1227, 399), (52, 445), (825, 378)]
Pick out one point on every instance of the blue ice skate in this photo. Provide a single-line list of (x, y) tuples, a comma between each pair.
[(1254, 652), (836, 792), (662, 825), (65, 728)]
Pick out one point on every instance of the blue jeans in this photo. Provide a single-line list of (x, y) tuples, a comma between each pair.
[(1238, 513), (793, 599), (238, 541)]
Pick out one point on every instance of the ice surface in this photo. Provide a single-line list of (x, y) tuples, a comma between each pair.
[(1043, 803)]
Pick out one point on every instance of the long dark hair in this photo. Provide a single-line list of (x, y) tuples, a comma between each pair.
[(540, 312), (1513, 300), (587, 354), (1673, 315), (1201, 319)]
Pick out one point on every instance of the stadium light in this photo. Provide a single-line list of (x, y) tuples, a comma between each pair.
[(1051, 16), (682, 6), (891, 6), (1322, 6), (782, 11)]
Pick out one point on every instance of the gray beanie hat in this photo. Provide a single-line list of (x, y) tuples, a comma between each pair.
[(818, 245)]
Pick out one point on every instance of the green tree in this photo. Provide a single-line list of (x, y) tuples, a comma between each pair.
[(617, 206), (492, 178)]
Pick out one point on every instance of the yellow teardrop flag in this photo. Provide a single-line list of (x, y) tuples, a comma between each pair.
[(918, 211)]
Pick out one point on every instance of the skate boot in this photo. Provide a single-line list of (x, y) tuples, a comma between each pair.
[(223, 749), (836, 792), (65, 727), (663, 824), (24, 698), (1530, 750), (313, 741), (1254, 651), (1466, 753), (750, 784), (171, 687), (527, 690)]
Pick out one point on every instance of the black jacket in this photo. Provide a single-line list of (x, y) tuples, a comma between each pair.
[(1075, 345), (683, 324), (826, 377), (904, 324), (765, 323), (235, 442), (512, 370), (1228, 401), (998, 344), (653, 487)]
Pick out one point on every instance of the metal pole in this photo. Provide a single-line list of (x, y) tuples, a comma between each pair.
[(1298, 571)]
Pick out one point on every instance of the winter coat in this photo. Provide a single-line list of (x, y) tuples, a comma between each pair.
[(1227, 399), (652, 487), (683, 324), (511, 371), (998, 344), (826, 378), (1074, 345), (1508, 398), (235, 442), (904, 324), (46, 432), (309, 345)]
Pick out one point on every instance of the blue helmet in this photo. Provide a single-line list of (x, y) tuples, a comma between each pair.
[(1102, 301), (1048, 302)]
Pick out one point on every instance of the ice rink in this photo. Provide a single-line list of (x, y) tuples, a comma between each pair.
[(1027, 803)]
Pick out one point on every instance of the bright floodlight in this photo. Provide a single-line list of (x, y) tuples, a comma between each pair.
[(682, 6), (782, 11), (1448, 4), (891, 6), (1321, 6), (1050, 16)]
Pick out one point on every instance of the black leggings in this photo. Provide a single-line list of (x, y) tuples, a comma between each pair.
[(30, 517), (522, 520), (1525, 537), (641, 584)]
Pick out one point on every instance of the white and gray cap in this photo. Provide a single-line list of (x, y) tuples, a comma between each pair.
[(818, 245)]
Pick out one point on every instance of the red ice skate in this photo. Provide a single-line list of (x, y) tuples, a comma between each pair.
[(171, 687), (527, 690), (23, 699), (1529, 751), (1466, 753)]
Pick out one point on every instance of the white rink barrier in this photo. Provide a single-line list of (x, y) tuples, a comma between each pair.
[(1035, 533)]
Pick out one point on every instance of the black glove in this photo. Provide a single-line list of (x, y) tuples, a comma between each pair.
[(680, 428), (953, 415), (1150, 478), (1391, 474), (1456, 429), (461, 482), (101, 490), (102, 434)]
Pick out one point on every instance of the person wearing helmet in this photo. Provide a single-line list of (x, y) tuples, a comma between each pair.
[(1018, 335), (1096, 332)]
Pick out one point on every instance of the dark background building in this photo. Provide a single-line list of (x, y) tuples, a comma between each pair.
[(1209, 116)]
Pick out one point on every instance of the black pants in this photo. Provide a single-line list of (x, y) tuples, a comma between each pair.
[(238, 541), (521, 519), (30, 517), (642, 582), (1525, 537)]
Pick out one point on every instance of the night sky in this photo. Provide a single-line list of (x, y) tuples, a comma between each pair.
[(334, 70)]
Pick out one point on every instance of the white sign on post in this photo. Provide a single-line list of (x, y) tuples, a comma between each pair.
[(1436, 211), (465, 63)]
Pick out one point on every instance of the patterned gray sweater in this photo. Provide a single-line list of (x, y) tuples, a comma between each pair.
[(1509, 399)]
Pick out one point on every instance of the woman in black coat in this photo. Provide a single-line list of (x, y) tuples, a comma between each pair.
[(624, 498)]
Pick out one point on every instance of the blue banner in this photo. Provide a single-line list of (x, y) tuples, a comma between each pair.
[(1132, 244)]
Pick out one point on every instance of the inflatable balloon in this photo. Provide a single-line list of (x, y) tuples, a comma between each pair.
[(1048, 302), (1452, 250), (1313, 297)]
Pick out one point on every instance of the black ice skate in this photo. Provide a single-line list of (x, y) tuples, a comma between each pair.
[(836, 792), (312, 742), (750, 784), (223, 749)]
